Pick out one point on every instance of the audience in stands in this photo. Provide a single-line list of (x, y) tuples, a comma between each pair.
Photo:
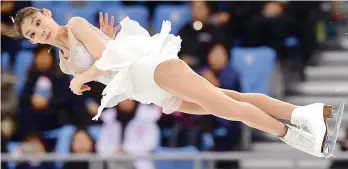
[(184, 132), (33, 144), (142, 134), (81, 143), (45, 103), (110, 136), (9, 99), (217, 70), (200, 36)]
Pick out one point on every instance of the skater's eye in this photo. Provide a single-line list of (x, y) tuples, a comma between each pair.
[(32, 35), (38, 23)]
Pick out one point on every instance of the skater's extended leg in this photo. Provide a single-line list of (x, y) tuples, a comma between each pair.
[(174, 77), (273, 107)]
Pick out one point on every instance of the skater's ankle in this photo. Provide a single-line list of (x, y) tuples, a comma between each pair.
[(285, 131)]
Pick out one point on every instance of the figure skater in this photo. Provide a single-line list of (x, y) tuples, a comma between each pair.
[(147, 69)]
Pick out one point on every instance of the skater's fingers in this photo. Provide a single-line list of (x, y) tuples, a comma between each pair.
[(106, 19), (101, 19), (117, 28), (112, 21), (85, 87), (77, 92)]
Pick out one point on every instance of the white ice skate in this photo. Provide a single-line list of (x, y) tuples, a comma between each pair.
[(313, 119), (301, 140)]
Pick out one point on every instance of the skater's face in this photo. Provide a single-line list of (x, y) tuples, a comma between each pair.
[(40, 27)]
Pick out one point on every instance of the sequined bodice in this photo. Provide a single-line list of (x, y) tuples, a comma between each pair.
[(84, 59)]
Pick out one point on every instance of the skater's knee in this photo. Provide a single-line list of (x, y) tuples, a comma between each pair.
[(171, 70), (233, 94)]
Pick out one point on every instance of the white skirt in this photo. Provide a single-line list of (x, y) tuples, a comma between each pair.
[(134, 54)]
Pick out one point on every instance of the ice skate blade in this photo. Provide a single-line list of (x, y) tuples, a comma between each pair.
[(327, 111), (331, 138)]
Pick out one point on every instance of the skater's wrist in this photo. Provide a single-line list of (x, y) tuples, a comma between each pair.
[(91, 74)]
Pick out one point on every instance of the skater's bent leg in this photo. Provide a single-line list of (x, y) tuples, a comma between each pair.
[(274, 107), (192, 108), (177, 78)]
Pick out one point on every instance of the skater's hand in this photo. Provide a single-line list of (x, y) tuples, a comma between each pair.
[(106, 27), (77, 87)]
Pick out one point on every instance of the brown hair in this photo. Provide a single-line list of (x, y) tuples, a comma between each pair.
[(15, 30)]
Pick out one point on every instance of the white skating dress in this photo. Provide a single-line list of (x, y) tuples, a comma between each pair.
[(132, 57)]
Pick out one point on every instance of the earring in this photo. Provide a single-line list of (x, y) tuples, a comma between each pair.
[(50, 49)]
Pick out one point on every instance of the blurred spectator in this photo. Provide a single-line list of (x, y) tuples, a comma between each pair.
[(81, 143), (269, 25), (9, 132), (199, 36), (9, 98), (166, 123), (33, 144), (342, 164), (46, 100), (185, 131), (110, 138), (142, 134), (218, 72), (9, 128), (306, 14), (151, 5), (12, 46), (231, 16)]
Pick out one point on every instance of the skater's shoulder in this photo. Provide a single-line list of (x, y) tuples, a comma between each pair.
[(76, 21)]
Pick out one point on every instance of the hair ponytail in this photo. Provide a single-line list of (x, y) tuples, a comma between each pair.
[(10, 30), (15, 31)]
